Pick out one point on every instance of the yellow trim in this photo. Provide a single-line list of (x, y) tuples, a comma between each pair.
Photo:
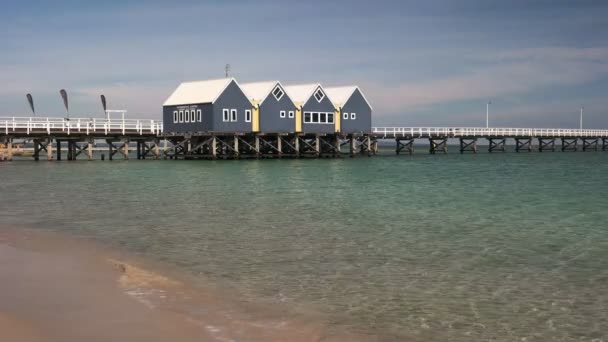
[(298, 119), (337, 121), (255, 119)]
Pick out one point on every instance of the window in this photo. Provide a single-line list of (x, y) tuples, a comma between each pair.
[(174, 116), (353, 116), (315, 117), (319, 95), (330, 118), (282, 114), (187, 116), (200, 115), (181, 116), (345, 116), (278, 93), (291, 114), (247, 115), (225, 115), (307, 117), (233, 115), (322, 117), (192, 116)]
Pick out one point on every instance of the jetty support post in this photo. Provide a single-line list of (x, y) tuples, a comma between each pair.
[(256, 143), (58, 144), (546, 144), (604, 144), (589, 144), (125, 149), (155, 149), (236, 146), (523, 144), (496, 144), (296, 145), (468, 145), (317, 145), (279, 146), (405, 144), (49, 149), (214, 147), (353, 146), (36, 150), (90, 149), (569, 144), (438, 144)]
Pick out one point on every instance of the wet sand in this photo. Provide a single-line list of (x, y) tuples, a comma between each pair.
[(57, 288)]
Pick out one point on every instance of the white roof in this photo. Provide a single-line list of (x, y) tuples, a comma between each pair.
[(198, 92), (340, 95), (301, 92), (259, 91)]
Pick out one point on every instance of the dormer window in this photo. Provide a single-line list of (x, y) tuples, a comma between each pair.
[(278, 93), (319, 95)]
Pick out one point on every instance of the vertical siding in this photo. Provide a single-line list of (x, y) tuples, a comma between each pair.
[(232, 98), (185, 127), (363, 122), (270, 119), (312, 105)]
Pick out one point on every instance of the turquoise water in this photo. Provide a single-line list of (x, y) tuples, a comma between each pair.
[(494, 247)]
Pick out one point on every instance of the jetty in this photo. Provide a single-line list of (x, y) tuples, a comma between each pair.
[(76, 137)]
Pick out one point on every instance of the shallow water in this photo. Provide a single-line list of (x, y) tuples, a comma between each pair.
[(452, 247)]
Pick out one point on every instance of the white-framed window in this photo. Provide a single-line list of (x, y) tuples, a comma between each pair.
[(192, 115), (187, 116), (181, 116), (345, 116), (307, 117), (319, 95), (353, 116), (233, 115), (315, 117), (282, 114), (247, 115), (330, 118), (225, 115), (291, 114), (278, 93), (174, 116), (322, 117), (199, 113)]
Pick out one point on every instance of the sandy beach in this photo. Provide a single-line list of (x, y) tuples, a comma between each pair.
[(56, 288)]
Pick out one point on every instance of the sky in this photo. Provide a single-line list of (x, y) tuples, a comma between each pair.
[(419, 63)]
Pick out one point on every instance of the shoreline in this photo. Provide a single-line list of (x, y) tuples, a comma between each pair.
[(55, 287)]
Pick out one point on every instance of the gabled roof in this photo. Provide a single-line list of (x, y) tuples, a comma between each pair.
[(198, 92), (259, 91), (340, 95), (302, 92)]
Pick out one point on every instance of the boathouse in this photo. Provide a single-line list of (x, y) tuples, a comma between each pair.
[(317, 110), (273, 109), (352, 107), (218, 105)]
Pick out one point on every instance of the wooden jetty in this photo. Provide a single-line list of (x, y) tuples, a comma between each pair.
[(404, 137)]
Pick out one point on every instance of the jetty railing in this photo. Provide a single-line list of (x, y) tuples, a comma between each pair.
[(456, 132), (86, 126)]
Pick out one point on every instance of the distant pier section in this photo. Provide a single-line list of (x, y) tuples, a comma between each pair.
[(548, 139)]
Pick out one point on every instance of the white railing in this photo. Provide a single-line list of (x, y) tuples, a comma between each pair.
[(86, 126), (455, 132)]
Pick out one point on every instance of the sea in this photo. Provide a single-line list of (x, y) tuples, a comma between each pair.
[(472, 247)]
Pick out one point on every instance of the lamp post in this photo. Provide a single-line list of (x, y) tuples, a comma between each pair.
[(581, 120), (488, 114)]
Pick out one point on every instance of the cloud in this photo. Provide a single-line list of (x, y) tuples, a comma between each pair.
[(500, 74)]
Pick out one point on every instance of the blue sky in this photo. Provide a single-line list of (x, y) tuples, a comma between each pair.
[(420, 63)]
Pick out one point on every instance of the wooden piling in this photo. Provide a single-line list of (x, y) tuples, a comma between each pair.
[(58, 144), (49, 149), (90, 150)]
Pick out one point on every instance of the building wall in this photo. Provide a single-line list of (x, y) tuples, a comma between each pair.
[(363, 120), (232, 98), (312, 105), (270, 119), (180, 127)]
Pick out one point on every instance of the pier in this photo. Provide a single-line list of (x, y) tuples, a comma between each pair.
[(75, 138), (547, 138)]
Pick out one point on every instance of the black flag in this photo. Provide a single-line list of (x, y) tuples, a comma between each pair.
[(30, 99), (64, 96), (103, 102)]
